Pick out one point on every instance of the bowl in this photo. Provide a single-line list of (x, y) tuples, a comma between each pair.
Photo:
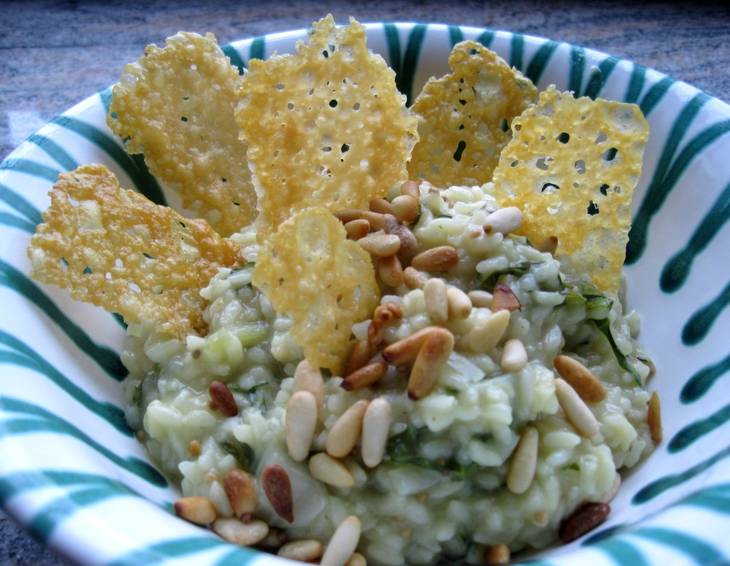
[(75, 476)]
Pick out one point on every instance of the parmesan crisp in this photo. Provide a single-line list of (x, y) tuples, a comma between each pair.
[(572, 167), (115, 249), (324, 127), (176, 106)]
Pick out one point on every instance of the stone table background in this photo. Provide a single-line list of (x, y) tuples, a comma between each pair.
[(54, 54)]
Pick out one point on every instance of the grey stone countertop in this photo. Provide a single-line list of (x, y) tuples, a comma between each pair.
[(55, 53)]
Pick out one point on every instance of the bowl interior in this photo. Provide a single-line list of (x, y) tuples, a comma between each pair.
[(72, 470)]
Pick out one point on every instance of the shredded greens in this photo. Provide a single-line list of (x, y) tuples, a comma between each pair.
[(517, 270), (241, 451)]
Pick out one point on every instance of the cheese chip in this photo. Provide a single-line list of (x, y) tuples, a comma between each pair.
[(572, 167), (466, 117), (324, 127), (310, 271), (116, 249), (176, 106)]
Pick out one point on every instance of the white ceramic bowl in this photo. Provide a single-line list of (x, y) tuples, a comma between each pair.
[(78, 479)]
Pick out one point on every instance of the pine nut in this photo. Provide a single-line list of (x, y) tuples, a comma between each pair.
[(343, 542), (302, 550), (405, 351), (358, 228), (549, 245), (383, 315), (307, 378), (486, 334), (359, 356), (440, 258), (277, 487), (221, 399), (196, 509), (503, 220), (431, 357), (376, 220), (437, 303), (356, 559), (405, 208), (504, 298), (497, 555), (365, 376), (584, 519), (330, 471), (410, 188), (459, 303), (382, 206), (408, 243), (413, 278), (576, 411), (301, 421), (523, 463), (345, 433), (380, 245), (580, 378), (375, 428), (238, 532), (240, 488), (481, 299), (390, 271), (654, 418), (514, 355)]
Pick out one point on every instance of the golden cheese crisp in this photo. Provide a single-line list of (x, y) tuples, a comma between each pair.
[(116, 249), (176, 106), (310, 271), (324, 127), (572, 167), (466, 117)]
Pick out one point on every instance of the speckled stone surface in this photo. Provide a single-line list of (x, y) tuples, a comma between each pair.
[(54, 54)]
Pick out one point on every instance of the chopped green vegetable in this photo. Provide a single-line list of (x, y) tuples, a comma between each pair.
[(251, 334), (137, 395), (242, 452), (605, 327), (517, 270)]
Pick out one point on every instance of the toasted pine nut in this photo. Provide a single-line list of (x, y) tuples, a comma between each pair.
[(523, 463), (549, 245), (330, 471), (302, 550), (410, 188), (383, 315), (380, 245), (376, 220), (504, 220), (365, 376), (514, 355), (440, 258), (459, 303), (654, 418), (576, 411), (382, 206), (375, 428), (240, 488), (344, 434), (221, 399), (486, 334), (405, 351), (357, 228), (481, 299), (504, 298), (277, 487), (356, 559), (584, 519), (497, 555), (359, 356), (196, 509), (405, 208), (408, 243), (343, 542), (238, 532), (413, 278), (431, 357), (301, 421), (307, 378), (437, 303), (390, 270), (580, 378)]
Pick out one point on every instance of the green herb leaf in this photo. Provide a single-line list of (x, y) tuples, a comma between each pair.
[(605, 328), (242, 452), (137, 395), (517, 270)]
